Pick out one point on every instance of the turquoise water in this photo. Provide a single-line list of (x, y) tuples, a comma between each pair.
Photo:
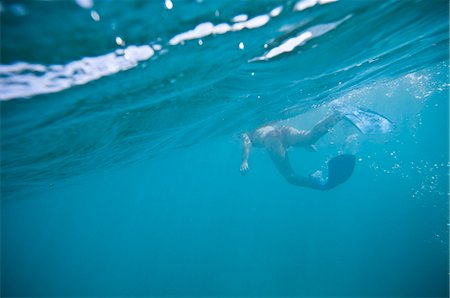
[(120, 148)]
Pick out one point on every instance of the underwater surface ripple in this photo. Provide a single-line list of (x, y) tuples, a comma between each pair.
[(89, 87)]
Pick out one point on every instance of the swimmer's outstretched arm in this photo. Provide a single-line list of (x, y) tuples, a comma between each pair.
[(246, 149)]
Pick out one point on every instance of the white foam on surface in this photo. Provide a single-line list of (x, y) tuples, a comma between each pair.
[(276, 11), (241, 22), (305, 4), (252, 23), (86, 4), (24, 79), (290, 44), (201, 30), (240, 18)]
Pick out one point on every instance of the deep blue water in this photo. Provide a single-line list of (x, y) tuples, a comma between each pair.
[(120, 148)]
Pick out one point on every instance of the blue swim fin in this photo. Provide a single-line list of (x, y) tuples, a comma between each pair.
[(340, 168), (367, 121)]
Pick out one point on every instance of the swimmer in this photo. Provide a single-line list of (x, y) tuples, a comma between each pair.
[(277, 139)]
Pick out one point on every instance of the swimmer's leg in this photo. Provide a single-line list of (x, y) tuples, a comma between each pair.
[(340, 168), (280, 158), (321, 128)]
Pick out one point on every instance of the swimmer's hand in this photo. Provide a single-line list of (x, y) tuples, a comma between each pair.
[(244, 168)]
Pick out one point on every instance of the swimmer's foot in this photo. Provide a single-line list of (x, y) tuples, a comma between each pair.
[(317, 178), (338, 114)]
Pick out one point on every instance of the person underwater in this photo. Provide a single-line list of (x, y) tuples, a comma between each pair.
[(276, 141)]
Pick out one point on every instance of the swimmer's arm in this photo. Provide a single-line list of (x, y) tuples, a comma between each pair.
[(246, 149)]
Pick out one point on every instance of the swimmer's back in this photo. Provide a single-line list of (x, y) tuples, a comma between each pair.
[(259, 136)]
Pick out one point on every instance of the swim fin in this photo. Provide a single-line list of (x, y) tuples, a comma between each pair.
[(367, 121), (340, 168)]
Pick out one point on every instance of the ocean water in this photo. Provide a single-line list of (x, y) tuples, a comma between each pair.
[(120, 148)]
